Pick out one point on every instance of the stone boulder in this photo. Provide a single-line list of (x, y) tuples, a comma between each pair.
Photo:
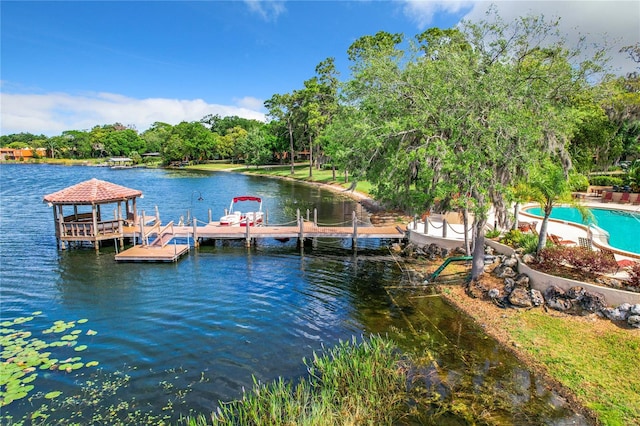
[(511, 262), (509, 285), (494, 293), (615, 314), (634, 321), (522, 281), (555, 298), (592, 302), (396, 248), (504, 271), (433, 251), (576, 293), (536, 297), (476, 289), (521, 298)]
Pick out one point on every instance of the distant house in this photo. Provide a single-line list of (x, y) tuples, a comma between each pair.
[(21, 154), (119, 162)]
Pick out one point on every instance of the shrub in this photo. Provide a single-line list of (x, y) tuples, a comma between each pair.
[(634, 276), (578, 257), (518, 239), (528, 243), (492, 233), (578, 182), (511, 238), (605, 180)]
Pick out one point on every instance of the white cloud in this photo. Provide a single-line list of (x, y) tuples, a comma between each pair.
[(53, 113), (269, 10), (422, 12), (249, 102), (615, 22)]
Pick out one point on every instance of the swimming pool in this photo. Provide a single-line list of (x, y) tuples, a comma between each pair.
[(623, 226)]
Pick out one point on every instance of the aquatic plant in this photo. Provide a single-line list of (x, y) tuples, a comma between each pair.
[(23, 354), (352, 383)]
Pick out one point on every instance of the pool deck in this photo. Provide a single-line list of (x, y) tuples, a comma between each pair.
[(564, 229)]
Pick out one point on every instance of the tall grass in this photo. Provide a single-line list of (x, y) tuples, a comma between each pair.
[(352, 383)]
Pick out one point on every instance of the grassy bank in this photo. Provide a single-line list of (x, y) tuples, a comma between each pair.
[(595, 360), (301, 173), (352, 383)]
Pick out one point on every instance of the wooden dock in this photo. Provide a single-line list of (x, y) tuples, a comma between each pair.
[(167, 253), (164, 249)]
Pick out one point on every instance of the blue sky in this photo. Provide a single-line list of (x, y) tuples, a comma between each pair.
[(74, 65)]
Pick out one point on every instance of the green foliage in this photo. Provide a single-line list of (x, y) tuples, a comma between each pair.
[(633, 176), (352, 383), (493, 233), (23, 354), (578, 182), (604, 180), (518, 239)]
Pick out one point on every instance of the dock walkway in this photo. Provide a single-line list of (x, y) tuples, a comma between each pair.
[(171, 251)]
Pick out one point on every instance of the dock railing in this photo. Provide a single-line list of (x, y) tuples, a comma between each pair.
[(86, 229)]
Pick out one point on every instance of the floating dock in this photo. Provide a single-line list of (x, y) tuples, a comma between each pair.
[(168, 253)]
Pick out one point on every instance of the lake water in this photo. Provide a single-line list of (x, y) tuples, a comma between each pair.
[(224, 314)]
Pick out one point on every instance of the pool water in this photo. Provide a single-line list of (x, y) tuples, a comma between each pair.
[(623, 226)]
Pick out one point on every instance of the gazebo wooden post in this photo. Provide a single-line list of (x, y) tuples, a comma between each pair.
[(57, 227), (135, 212), (120, 224), (60, 224), (94, 217)]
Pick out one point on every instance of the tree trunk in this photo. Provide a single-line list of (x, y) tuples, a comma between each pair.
[(477, 266), (310, 157), (516, 214), (293, 154), (465, 222), (542, 238)]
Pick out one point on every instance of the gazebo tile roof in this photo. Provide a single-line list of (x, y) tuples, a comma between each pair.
[(93, 191)]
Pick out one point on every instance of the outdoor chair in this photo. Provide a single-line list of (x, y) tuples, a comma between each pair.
[(625, 197), (559, 241), (585, 243), (528, 227), (608, 196), (637, 200)]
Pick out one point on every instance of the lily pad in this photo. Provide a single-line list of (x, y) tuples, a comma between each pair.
[(80, 348), (52, 395)]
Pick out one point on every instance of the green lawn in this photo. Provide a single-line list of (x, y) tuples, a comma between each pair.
[(601, 365), (301, 173)]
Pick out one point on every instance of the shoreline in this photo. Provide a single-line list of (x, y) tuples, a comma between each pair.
[(487, 317)]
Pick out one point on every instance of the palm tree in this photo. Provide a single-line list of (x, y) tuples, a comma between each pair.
[(552, 186)]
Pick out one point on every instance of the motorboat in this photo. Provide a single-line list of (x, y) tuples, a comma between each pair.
[(235, 217)]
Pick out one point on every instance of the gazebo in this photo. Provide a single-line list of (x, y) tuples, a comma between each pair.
[(86, 223)]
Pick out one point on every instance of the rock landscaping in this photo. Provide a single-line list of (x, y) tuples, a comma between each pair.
[(508, 288)]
